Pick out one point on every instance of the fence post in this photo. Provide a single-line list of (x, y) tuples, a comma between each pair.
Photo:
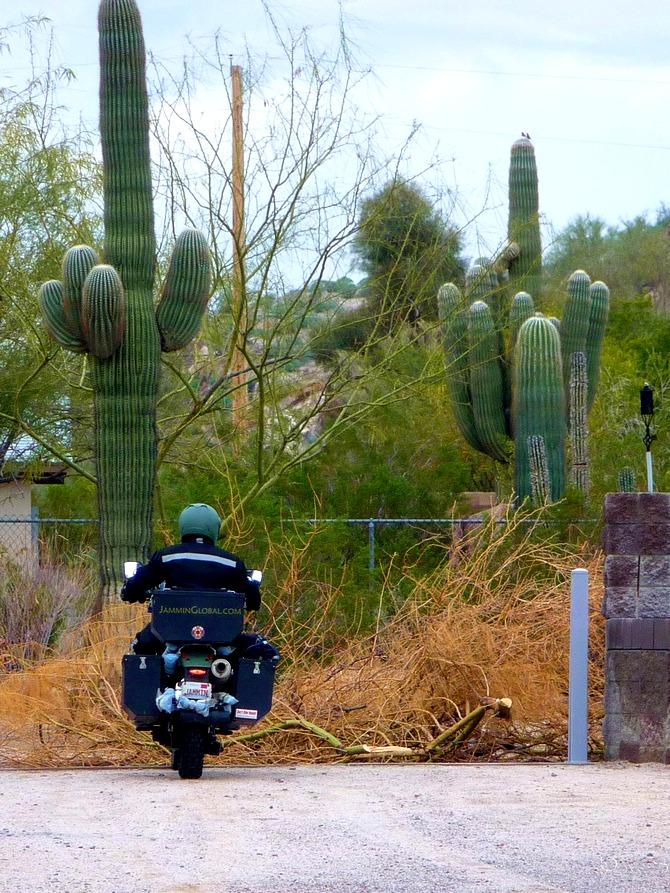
[(578, 697), (35, 530), (371, 545)]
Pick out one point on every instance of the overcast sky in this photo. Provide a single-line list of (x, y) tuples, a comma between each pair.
[(590, 82)]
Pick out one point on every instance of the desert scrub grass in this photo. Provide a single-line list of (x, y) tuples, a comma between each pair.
[(39, 603), (492, 620)]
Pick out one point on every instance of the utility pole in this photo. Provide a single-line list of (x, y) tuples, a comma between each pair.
[(238, 378)]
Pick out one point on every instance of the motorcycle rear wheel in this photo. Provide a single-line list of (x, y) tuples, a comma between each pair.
[(192, 752)]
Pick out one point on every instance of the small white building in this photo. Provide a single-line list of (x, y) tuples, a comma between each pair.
[(18, 526)]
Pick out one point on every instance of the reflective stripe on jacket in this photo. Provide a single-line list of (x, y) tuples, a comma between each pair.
[(193, 565)]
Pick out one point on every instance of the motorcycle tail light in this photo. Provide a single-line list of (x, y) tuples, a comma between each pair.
[(197, 673)]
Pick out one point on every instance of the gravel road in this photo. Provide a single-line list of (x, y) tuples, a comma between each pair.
[(352, 829)]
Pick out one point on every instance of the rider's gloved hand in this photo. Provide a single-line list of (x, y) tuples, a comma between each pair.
[(254, 646), (129, 596)]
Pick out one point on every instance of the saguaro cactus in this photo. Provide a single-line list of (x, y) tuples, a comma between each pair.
[(488, 384), (108, 309), (512, 389), (627, 480)]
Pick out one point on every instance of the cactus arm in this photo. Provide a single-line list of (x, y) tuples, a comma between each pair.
[(486, 382), (505, 258), (454, 328), (524, 219), (185, 291), (483, 285), (600, 303), (477, 283), (103, 311), (522, 309), (539, 405), (51, 303), (540, 485), (77, 264), (576, 315), (578, 421)]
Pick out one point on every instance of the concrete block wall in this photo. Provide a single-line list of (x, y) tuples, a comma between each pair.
[(637, 607)]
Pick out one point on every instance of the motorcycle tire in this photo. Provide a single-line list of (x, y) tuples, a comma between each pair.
[(192, 752), (176, 759)]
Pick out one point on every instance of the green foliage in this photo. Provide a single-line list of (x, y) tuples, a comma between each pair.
[(633, 258), (348, 330), (636, 349), (407, 251), (401, 460), (47, 181)]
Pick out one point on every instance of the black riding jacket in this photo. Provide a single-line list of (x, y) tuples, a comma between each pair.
[(196, 564)]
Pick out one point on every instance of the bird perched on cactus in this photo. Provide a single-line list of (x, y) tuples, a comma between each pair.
[(107, 309)]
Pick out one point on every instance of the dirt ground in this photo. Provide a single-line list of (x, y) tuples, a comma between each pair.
[(349, 828)]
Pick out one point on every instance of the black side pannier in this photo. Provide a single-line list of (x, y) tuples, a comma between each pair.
[(253, 689), (141, 684)]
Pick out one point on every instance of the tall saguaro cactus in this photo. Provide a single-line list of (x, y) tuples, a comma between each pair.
[(108, 309)]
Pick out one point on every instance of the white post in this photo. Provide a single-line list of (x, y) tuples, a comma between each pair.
[(650, 473), (578, 697)]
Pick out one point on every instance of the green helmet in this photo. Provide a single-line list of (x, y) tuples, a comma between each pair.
[(201, 520)]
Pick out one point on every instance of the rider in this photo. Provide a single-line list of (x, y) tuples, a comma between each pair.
[(195, 563)]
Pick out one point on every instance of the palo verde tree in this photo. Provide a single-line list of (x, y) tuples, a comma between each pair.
[(407, 251), (48, 180), (309, 162), (107, 309)]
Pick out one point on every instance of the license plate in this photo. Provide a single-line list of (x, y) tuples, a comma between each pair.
[(196, 689)]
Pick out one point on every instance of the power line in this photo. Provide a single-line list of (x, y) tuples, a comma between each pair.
[(526, 75), (540, 138), (523, 75)]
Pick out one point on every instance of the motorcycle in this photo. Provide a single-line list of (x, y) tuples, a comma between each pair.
[(210, 680)]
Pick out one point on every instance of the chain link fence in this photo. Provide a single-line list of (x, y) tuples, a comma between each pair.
[(451, 530), (69, 539), (75, 539)]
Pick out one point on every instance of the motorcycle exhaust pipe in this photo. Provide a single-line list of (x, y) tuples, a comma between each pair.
[(221, 669)]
